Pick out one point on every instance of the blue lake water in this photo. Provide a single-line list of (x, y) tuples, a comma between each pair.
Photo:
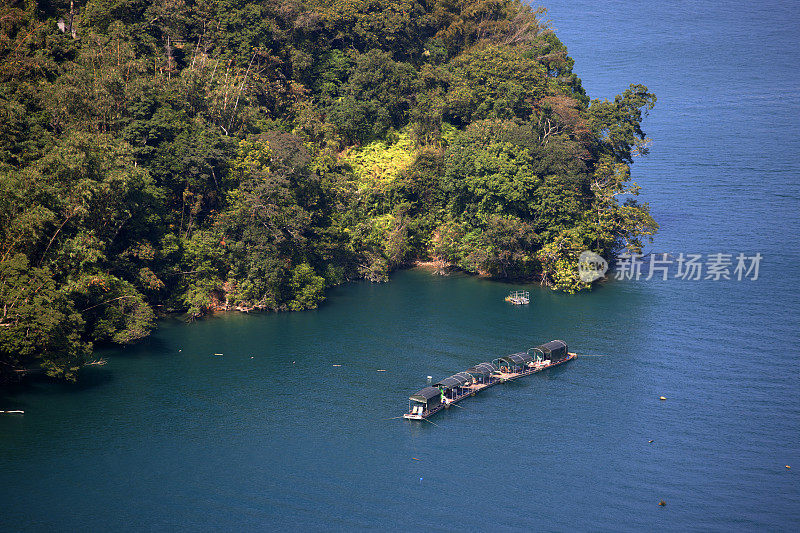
[(271, 435)]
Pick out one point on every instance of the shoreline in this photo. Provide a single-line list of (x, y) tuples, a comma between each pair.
[(438, 266)]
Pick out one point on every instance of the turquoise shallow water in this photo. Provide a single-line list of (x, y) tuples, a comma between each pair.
[(271, 435)]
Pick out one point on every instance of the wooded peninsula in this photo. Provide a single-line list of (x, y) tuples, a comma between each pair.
[(163, 156)]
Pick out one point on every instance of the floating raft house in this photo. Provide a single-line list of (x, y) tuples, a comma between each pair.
[(432, 399)]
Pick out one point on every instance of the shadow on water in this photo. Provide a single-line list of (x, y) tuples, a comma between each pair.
[(153, 345), (90, 377), (9, 397), (40, 384)]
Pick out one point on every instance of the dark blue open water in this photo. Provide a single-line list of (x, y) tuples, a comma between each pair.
[(271, 435)]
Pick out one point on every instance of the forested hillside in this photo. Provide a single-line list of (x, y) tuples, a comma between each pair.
[(187, 155)]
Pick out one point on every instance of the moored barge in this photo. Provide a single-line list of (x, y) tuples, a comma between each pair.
[(455, 388)]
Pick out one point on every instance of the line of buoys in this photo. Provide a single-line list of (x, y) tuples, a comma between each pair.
[(337, 365), (18, 412), (381, 370)]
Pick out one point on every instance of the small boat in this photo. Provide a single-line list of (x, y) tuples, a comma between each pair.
[(448, 391), (519, 297)]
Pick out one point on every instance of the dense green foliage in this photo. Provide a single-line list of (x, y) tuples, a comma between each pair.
[(190, 155)]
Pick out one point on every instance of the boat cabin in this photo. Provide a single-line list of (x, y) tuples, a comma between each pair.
[(424, 401)]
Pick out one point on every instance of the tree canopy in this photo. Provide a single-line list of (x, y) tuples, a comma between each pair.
[(194, 155)]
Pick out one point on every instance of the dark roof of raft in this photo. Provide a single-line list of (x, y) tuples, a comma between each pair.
[(553, 346), (425, 394), (456, 380), (517, 358), (485, 369)]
